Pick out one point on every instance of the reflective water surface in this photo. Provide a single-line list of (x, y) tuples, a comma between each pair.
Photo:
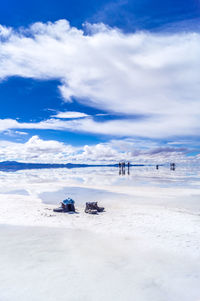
[(52, 185)]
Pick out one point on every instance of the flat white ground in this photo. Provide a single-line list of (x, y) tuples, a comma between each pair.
[(145, 246)]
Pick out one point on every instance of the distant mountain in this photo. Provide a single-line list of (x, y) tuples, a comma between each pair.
[(14, 166)]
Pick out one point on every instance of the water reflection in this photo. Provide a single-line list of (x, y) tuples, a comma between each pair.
[(36, 182)]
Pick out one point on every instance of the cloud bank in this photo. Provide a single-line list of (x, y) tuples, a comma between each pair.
[(154, 77), (38, 150)]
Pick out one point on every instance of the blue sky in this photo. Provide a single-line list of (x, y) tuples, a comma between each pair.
[(128, 15), (129, 69)]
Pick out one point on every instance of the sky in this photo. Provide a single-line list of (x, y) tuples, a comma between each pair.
[(100, 81)]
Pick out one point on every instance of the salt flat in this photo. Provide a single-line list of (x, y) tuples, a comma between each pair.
[(145, 246)]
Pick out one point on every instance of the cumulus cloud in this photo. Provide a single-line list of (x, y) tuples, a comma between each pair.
[(154, 76), (36, 150), (102, 153), (149, 152), (51, 151)]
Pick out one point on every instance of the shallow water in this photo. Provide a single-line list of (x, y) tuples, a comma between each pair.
[(104, 183)]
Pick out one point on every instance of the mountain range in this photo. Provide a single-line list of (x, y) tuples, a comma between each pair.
[(14, 166)]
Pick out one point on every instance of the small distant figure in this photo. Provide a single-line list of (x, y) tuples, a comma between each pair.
[(122, 166), (172, 166), (157, 166)]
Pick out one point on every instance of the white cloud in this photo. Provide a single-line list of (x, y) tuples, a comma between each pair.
[(50, 151), (101, 153), (5, 32), (20, 133), (157, 127), (36, 150), (153, 75), (12, 133), (69, 114)]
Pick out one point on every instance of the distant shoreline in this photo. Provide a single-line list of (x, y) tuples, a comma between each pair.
[(14, 166)]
